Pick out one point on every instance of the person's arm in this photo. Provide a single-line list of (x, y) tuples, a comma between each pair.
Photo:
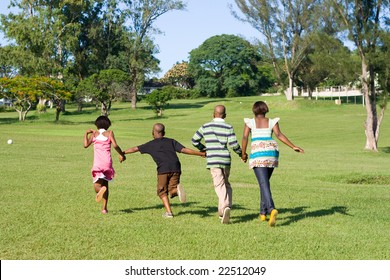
[(116, 147), (244, 143), (131, 150), (233, 143), (88, 137), (189, 151), (196, 140), (284, 139)]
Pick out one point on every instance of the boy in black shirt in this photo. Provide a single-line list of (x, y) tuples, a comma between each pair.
[(163, 151)]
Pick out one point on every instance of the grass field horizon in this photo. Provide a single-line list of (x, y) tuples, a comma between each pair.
[(332, 200)]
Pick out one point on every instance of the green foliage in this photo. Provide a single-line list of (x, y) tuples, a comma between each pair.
[(286, 27), (159, 98), (41, 108), (365, 22), (381, 60), (24, 91), (328, 63), (104, 87), (7, 63), (227, 65)]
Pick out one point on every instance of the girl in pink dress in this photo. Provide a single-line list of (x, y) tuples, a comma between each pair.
[(102, 170)]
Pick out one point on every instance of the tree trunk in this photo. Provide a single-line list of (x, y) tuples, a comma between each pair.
[(62, 104), (371, 120), (134, 99), (289, 93), (309, 93), (20, 115), (58, 112), (42, 105), (103, 110), (23, 114), (379, 123), (133, 92)]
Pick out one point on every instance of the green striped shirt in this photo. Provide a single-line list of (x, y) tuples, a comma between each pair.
[(218, 135)]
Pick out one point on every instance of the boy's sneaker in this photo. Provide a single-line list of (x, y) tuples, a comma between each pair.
[(181, 193), (272, 217), (100, 194), (167, 215), (226, 216), (263, 218)]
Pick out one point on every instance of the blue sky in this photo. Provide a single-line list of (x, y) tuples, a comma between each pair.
[(185, 30)]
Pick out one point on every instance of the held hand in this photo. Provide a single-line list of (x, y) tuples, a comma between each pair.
[(122, 158), (244, 157), (298, 150), (203, 154)]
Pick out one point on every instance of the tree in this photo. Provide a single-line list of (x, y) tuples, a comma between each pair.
[(158, 99), (141, 15), (25, 91), (17, 90), (285, 25), (225, 65), (53, 90), (104, 87), (328, 63), (364, 21), (99, 36), (382, 68), (41, 34), (7, 65), (179, 76)]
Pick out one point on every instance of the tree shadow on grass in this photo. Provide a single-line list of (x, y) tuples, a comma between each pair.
[(9, 120), (194, 104), (385, 150), (300, 213), (16, 119)]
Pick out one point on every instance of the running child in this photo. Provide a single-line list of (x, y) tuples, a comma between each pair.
[(102, 169), (163, 151)]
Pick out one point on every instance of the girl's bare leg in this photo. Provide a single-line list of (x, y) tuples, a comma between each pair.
[(105, 200), (101, 189)]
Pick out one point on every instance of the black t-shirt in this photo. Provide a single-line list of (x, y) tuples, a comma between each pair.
[(163, 151)]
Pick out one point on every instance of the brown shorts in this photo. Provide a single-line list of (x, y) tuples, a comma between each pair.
[(167, 184)]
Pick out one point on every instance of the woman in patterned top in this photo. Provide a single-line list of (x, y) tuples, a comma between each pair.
[(264, 154)]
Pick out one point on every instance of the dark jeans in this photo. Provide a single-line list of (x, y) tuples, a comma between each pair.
[(263, 175)]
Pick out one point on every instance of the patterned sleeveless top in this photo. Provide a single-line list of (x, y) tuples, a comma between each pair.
[(264, 149)]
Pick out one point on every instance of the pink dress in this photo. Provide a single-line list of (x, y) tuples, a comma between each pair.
[(102, 161)]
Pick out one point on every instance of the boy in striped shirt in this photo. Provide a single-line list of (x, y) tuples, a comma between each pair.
[(217, 135)]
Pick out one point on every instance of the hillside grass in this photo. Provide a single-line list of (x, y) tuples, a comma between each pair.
[(333, 200)]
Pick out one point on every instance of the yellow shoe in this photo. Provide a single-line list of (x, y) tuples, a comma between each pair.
[(272, 218), (263, 218)]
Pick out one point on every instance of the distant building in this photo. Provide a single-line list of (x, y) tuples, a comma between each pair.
[(150, 86), (5, 102)]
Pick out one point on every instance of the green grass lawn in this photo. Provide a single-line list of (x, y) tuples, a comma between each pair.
[(333, 201)]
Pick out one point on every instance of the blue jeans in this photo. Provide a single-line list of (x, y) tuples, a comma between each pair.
[(263, 175)]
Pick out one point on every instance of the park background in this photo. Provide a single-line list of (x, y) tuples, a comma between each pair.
[(332, 200)]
